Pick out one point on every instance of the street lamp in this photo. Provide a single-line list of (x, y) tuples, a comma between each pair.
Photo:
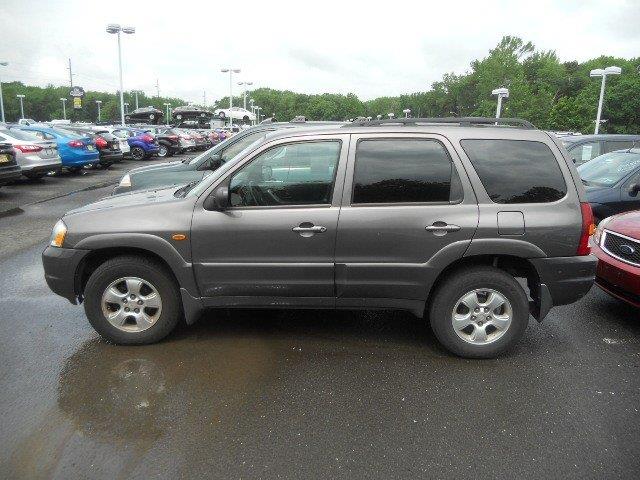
[(64, 108), (4, 64), (257, 109), (99, 102), (231, 72), (167, 105), (599, 72), (406, 112), (501, 93), (245, 84), (135, 92), (20, 97), (116, 29)]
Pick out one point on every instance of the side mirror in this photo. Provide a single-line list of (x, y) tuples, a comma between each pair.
[(634, 188), (218, 200)]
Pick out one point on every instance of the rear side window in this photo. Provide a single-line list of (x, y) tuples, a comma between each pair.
[(613, 145), (404, 171), (516, 171)]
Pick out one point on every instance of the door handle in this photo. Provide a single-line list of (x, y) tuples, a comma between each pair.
[(313, 229), (442, 227)]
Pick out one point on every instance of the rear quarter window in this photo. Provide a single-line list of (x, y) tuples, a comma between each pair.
[(516, 171)]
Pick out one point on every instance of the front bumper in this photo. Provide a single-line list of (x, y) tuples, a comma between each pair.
[(562, 280), (60, 267), (617, 278)]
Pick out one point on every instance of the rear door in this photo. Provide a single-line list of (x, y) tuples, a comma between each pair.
[(405, 211)]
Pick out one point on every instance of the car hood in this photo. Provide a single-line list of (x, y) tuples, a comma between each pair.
[(594, 192), (143, 197), (626, 224)]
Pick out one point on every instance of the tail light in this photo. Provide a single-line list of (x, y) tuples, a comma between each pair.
[(76, 144), (101, 143), (588, 227), (28, 148), (147, 138)]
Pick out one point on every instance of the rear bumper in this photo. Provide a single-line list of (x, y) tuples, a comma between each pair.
[(110, 157), (60, 267), (43, 166), (565, 279), (9, 174)]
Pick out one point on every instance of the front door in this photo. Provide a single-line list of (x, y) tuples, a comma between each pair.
[(405, 215), (275, 244)]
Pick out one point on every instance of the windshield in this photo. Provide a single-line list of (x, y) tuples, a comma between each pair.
[(229, 150), (202, 186), (67, 133), (19, 134), (608, 169)]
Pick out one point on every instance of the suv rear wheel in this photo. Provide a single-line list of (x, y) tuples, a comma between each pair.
[(132, 301), (479, 312)]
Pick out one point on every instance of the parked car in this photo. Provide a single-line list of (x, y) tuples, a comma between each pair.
[(75, 150), (35, 157), (144, 115), (612, 182), (107, 144), (168, 140), (438, 218), (27, 121), (143, 145), (201, 141), (617, 246), (190, 113), (236, 113), (9, 169), (123, 143), (583, 148), (161, 175)]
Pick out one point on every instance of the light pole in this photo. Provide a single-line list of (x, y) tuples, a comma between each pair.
[(244, 85), (116, 29), (99, 102), (167, 105), (20, 97), (251, 102), (501, 93), (257, 108), (406, 112), (4, 64), (126, 107), (135, 92), (231, 72), (64, 108), (599, 72)]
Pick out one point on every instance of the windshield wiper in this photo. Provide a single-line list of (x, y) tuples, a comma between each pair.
[(584, 182), (182, 191)]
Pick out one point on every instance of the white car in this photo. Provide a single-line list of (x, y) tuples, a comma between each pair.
[(235, 113)]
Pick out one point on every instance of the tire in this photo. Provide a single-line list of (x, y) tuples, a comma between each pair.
[(137, 153), (163, 151), (245, 119), (222, 115), (498, 340), (142, 271)]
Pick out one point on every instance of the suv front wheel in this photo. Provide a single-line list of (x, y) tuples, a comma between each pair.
[(479, 312), (132, 301)]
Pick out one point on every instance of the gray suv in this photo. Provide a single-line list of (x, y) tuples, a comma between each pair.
[(471, 222)]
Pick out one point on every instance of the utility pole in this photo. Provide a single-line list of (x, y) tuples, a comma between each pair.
[(135, 92), (204, 98), (157, 88), (70, 74)]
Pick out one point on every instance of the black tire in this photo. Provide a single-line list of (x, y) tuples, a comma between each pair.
[(142, 268), (444, 300), (245, 119), (137, 153), (163, 151), (222, 115)]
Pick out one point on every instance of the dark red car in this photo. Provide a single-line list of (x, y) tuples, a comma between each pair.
[(617, 246)]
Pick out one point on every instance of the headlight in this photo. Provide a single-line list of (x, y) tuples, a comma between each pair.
[(58, 234), (598, 235), (125, 181)]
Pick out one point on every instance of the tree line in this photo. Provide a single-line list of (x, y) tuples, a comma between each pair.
[(551, 94)]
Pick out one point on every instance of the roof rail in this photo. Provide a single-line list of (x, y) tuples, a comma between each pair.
[(461, 121)]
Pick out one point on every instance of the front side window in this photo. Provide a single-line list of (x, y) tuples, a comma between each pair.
[(516, 171), (585, 152), (403, 171), (291, 174)]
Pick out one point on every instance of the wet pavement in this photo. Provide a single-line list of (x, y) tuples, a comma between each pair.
[(321, 394)]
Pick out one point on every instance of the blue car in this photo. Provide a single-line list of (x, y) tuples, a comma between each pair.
[(142, 143), (75, 150)]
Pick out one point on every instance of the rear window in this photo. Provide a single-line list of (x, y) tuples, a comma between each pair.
[(516, 171), (404, 171)]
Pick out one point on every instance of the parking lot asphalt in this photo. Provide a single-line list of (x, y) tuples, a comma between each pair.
[(288, 394)]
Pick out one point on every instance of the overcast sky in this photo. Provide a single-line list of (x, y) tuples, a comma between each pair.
[(366, 47)]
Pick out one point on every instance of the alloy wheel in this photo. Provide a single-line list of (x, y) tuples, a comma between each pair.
[(131, 304), (481, 316)]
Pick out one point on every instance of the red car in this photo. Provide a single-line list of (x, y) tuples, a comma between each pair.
[(617, 246)]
